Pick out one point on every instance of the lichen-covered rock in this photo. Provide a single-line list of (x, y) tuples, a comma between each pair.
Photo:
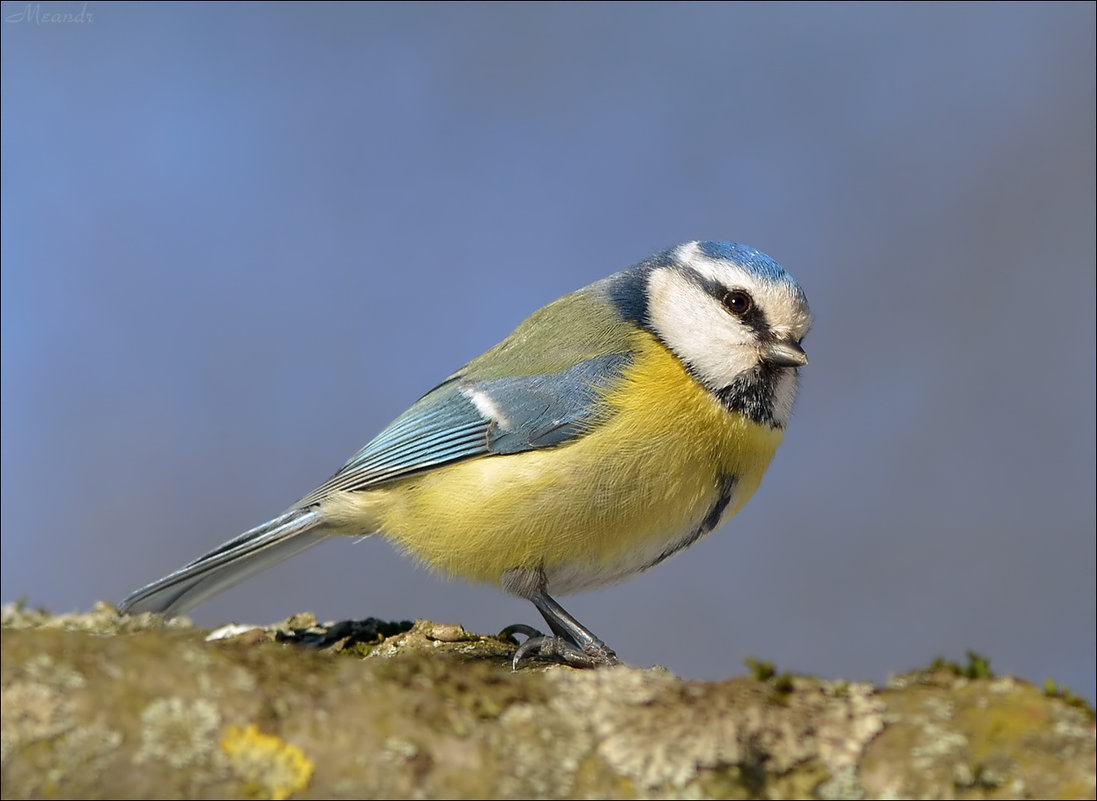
[(100, 705)]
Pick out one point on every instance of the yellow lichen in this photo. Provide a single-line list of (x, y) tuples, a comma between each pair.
[(267, 766)]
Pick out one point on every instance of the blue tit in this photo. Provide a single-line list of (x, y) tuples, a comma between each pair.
[(613, 428)]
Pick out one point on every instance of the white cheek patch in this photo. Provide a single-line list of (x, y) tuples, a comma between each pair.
[(698, 329)]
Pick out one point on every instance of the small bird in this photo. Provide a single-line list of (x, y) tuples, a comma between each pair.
[(613, 428)]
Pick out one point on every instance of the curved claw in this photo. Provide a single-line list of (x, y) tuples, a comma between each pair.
[(571, 642), (519, 628), (558, 648)]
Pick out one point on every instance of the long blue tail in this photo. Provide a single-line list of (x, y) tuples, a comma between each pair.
[(221, 568)]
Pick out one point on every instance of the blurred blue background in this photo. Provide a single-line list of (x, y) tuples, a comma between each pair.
[(238, 240)]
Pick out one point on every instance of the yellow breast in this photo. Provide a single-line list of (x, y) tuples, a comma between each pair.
[(598, 508)]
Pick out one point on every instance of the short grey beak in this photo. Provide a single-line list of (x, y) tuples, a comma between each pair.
[(785, 354)]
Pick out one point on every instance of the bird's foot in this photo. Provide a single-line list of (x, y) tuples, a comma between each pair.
[(557, 648)]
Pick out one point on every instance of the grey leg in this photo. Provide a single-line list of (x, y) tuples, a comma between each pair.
[(573, 643)]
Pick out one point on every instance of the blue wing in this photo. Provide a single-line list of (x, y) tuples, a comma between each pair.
[(463, 418)]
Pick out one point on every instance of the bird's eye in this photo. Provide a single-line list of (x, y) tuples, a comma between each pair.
[(738, 302)]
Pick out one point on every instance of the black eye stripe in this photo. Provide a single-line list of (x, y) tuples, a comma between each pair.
[(750, 314)]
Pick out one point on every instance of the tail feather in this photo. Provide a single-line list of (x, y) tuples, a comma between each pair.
[(251, 552)]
